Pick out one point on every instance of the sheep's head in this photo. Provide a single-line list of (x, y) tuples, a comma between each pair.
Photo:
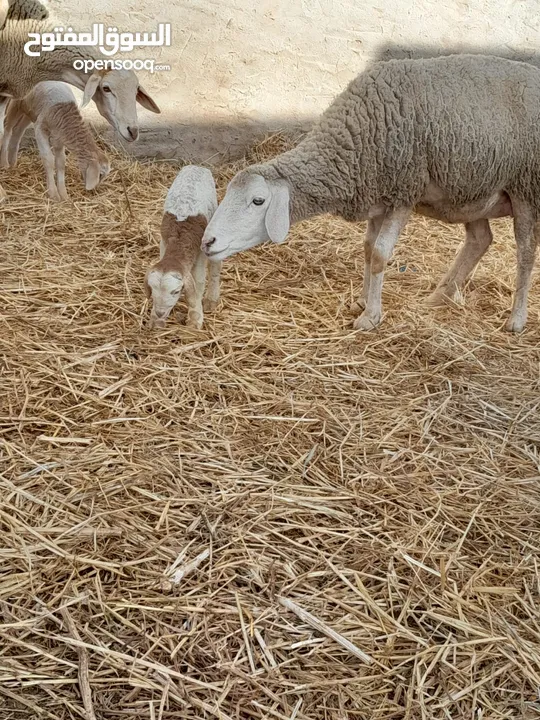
[(163, 287), (116, 94), (254, 210)]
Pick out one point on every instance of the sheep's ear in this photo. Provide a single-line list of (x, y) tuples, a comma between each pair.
[(92, 176), (90, 88), (144, 99), (74, 77), (277, 215)]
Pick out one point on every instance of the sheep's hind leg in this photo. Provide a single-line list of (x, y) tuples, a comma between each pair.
[(4, 102), (48, 162), (392, 225), (372, 232), (527, 233), (7, 130), (211, 296), (194, 293), (60, 163), (478, 238), (22, 123)]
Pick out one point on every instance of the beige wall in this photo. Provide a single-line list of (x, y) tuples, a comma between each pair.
[(240, 68)]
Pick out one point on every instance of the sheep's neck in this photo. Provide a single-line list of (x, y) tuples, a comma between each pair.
[(311, 180)]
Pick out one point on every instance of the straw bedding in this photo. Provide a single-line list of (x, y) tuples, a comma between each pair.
[(275, 517)]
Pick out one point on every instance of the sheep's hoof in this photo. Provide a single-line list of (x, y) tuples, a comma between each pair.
[(441, 297), (438, 298), (358, 306), (195, 322), (209, 305), (515, 323), (367, 322), (156, 323)]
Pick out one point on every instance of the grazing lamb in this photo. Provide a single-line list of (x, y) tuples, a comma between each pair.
[(115, 92), (454, 137), (58, 124), (190, 203)]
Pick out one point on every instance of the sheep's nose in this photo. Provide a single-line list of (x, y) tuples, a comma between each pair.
[(208, 243), (133, 132)]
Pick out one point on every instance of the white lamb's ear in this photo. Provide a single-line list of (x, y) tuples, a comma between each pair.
[(277, 215), (91, 177), (90, 88)]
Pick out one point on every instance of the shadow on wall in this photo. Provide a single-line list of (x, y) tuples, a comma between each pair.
[(394, 51), (225, 140), (198, 141)]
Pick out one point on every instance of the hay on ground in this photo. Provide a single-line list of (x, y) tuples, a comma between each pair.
[(275, 517)]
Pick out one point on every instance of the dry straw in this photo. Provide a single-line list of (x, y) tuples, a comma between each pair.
[(275, 517)]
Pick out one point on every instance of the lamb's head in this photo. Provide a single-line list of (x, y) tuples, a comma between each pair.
[(253, 211), (116, 94), (94, 169), (163, 286)]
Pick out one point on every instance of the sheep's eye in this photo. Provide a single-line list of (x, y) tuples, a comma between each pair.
[(175, 292), (258, 201), (106, 89)]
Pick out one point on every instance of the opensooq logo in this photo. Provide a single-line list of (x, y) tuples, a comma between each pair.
[(108, 43)]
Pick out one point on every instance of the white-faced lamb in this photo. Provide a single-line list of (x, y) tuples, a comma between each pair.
[(58, 125), (189, 206), (456, 138), (115, 92)]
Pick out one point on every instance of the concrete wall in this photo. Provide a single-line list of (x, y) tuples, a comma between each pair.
[(241, 68)]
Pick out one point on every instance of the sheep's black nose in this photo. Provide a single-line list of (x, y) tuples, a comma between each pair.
[(133, 132), (208, 243)]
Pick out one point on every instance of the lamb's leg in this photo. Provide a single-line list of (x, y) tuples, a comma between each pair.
[(47, 157), (211, 296), (372, 232), (60, 163), (478, 238), (8, 123), (527, 233), (23, 121), (391, 227), (194, 293), (4, 102)]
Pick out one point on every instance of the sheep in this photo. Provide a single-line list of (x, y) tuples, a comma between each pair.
[(115, 92), (58, 124), (189, 206), (455, 137)]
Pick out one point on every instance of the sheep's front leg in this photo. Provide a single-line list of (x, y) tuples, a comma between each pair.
[(478, 238), (48, 162), (527, 233), (391, 227), (211, 296), (194, 293), (372, 233)]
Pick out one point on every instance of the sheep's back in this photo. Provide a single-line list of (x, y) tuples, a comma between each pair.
[(467, 123), (193, 192)]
